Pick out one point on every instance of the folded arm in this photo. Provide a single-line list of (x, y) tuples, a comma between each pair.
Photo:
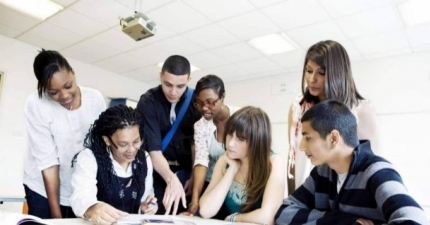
[(272, 197), (299, 208), (213, 198)]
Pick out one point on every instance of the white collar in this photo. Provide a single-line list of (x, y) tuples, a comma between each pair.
[(119, 170)]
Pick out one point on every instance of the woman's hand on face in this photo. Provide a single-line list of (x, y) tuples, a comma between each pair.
[(232, 163), (149, 206), (103, 214)]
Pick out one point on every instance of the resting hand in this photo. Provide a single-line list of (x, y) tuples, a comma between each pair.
[(193, 207), (364, 222), (149, 206), (186, 213), (232, 163), (103, 214), (173, 194)]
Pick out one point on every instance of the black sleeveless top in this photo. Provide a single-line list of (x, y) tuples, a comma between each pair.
[(125, 194)]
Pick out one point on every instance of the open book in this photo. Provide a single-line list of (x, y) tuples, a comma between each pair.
[(152, 220), (167, 220), (11, 218)]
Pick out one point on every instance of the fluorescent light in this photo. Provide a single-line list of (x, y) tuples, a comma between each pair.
[(39, 9), (193, 68), (273, 44), (415, 12)]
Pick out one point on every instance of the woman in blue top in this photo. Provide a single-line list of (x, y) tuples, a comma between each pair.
[(248, 179)]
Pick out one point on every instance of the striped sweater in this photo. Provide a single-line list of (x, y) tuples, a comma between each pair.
[(373, 190)]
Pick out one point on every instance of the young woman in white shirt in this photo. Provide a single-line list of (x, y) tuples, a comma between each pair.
[(113, 174), (208, 131), (58, 116)]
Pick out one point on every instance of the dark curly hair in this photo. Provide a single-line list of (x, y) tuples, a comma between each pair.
[(109, 121)]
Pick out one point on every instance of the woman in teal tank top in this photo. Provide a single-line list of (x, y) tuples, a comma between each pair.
[(248, 180)]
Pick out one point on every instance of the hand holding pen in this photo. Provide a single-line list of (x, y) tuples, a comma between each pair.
[(149, 206)]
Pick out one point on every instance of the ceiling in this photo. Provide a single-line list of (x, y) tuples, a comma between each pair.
[(213, 34)]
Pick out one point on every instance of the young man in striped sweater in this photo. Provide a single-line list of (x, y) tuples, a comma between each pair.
[(349, 184)]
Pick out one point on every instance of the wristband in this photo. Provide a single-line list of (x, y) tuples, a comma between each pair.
[(193, 203), (233, 217)]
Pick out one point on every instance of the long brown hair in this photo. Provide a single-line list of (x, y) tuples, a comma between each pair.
[(253, 125), (339, 83)]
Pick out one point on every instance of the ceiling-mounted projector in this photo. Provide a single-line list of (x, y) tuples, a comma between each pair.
[(138, 26)]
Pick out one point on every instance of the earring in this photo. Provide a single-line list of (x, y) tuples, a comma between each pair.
[(108, 149)]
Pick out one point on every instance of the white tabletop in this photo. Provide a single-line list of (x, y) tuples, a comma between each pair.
[(68, 221), (195, 220)]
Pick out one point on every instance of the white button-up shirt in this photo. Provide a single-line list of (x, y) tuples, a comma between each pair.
[(55, 135), (84, 181)]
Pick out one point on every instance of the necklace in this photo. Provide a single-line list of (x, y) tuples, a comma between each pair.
[(243, 177)]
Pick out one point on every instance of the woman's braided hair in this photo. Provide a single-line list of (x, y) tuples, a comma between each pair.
[(109, 121)]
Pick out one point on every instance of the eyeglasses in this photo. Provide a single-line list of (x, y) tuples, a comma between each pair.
[(208, 104), (127, 147)]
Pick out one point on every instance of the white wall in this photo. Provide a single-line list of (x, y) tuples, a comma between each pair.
[(16, 61), (399, 90)]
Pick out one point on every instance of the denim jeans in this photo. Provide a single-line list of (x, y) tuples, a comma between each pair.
[(39, 206)]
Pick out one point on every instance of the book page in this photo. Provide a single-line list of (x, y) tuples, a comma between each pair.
[(180, 220), (11, 218)]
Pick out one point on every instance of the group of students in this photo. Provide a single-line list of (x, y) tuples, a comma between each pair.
[(182, 145)]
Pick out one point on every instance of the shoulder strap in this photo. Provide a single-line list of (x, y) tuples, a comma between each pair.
[(178, 120)]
